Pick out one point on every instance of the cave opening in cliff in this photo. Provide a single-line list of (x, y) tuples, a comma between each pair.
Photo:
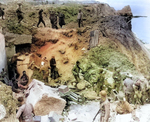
[(23, 48)]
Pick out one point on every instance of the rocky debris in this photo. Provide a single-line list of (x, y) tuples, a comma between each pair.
[(46, 99), (63, 89), (48, 104), (68, 34), (81, 85), (65, 60), (62, 51), (90, 95)]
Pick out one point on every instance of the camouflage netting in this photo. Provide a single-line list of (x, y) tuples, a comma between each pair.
[(7, 100), (104, 58)]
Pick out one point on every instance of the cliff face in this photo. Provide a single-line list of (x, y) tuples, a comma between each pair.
[(115, 31)]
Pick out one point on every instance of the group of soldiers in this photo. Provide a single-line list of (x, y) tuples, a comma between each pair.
[(53, 17), (125, 89)]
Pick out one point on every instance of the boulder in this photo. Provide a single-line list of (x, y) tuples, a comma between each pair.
[(81, 85)]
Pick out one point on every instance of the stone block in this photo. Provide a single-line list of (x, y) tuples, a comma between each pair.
[(63, 89)]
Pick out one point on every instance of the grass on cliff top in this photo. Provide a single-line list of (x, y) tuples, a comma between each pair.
[(31, 16), (70, 11)]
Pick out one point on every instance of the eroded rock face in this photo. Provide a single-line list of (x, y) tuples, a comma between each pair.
[(115, 31)]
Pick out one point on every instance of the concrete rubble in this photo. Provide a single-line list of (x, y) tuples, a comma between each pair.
[(45, 100)]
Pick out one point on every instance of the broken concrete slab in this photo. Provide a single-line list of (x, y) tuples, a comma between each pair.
[(17, 39), (63, 89), (45, 99)]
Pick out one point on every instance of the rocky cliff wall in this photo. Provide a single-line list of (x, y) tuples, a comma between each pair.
[(115, 30)]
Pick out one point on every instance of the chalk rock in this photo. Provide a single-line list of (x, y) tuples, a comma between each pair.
[(2, 111)]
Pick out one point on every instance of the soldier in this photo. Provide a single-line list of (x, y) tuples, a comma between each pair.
[(123, 107), (25, 113), (117, 79), (76, 70), (2, 13), (53, 19), (19, 13), (22, 83), (79, 17), (100, 82), (104, 107), (44, 68), (137, 93), (13, 66), (41, 18), (54, 70), (61, 19), (128, 89)]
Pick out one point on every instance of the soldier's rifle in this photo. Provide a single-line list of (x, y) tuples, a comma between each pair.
[(96, 115)]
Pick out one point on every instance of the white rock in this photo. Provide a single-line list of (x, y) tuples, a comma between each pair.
[(2, 111)]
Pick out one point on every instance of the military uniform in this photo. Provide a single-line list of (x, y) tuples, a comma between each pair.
[(117, 79), (75, 71), (54, 70), (25, 111), (104, 107), (79, 17), (53, 20), (61, 19), (2, 13), (123, 107), (137, 93), (100, 83), (19, 14), (41, 18)]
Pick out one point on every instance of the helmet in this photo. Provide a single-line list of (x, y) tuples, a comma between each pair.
[(103, 93)]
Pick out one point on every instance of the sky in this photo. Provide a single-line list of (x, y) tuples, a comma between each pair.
[(140, 26)]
